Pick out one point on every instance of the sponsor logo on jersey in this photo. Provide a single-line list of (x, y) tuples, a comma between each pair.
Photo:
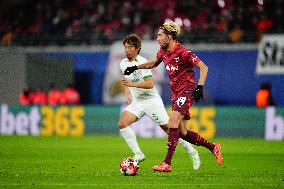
[(171, 68)]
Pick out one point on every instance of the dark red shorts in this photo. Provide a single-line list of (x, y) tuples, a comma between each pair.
[(182, 103)]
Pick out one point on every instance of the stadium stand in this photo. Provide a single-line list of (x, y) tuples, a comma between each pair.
[(98, 22)]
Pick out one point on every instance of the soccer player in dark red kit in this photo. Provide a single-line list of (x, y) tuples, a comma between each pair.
[(179, 63)]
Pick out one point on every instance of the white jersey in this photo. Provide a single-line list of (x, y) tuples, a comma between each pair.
[(139, 94)]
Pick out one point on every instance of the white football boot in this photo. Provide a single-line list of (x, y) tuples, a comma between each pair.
[(139, 157)]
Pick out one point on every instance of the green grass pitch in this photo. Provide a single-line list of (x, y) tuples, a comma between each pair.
[(93, 162)]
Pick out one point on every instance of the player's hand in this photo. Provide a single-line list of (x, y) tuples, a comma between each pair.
[(128, 99), (127, 83), (198, 93), (130, 70)]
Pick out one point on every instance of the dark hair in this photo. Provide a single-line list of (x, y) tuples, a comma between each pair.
[(133, 40), (167, 32)]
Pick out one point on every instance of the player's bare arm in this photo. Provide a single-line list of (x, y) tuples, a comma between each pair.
[(198, 92), (147, 65), (203, 72), (148, 83), (128, 97)]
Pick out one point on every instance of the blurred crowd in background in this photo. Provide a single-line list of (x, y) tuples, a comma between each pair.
[(101, 22), (54, 96)]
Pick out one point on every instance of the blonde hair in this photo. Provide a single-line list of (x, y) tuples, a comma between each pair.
[(171, 28)]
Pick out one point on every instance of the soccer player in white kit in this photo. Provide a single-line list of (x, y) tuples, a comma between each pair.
[(143, 98)]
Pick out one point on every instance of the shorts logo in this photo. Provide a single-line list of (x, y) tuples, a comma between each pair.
[(180, 101), (155, 117)]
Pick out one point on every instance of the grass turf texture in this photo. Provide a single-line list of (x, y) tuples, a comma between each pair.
[(93, 162)]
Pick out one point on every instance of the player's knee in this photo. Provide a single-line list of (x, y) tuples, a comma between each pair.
[(122, 124), (165, 127), (182, 133), (173, 124)]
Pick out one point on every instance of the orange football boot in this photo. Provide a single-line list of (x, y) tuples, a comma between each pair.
[(217, 153), (163, 167)]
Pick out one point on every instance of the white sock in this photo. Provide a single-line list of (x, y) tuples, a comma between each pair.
[(130, 138), (187, 146)]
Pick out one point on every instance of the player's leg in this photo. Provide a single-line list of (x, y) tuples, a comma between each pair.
[(159, 115), (173, 136), (195, 138), (129, 116), (193, 153), (182, 104)]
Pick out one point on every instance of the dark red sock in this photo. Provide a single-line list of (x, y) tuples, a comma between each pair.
[(195, 138), (172, 143)]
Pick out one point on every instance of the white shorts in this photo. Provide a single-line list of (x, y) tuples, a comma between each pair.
[(154, 108)]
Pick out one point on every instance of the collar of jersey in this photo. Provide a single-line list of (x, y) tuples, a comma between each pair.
[(177, 45), (135, 60)]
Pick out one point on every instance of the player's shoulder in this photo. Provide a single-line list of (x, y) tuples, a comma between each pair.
[(183, 48), (140, 59), (123, 61), (160, 53), (185, 51)]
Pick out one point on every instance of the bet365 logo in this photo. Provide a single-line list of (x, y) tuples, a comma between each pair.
[(21, 123), (274, 125), (44, 121)]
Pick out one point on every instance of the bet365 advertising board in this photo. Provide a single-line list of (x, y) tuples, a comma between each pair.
[(81, 120)]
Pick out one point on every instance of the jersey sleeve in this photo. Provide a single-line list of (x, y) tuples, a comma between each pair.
[(191, 57), (145, 72)]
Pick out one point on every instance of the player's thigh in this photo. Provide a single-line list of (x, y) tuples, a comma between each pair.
[(158, 114), (175, 119), (130, 115), (135, 109), (183, 128), (126, 119), (182, 104)]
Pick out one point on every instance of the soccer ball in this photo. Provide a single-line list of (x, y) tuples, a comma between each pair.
[(129, 166)]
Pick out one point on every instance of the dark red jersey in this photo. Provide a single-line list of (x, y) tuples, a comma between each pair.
[(179, 64)]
